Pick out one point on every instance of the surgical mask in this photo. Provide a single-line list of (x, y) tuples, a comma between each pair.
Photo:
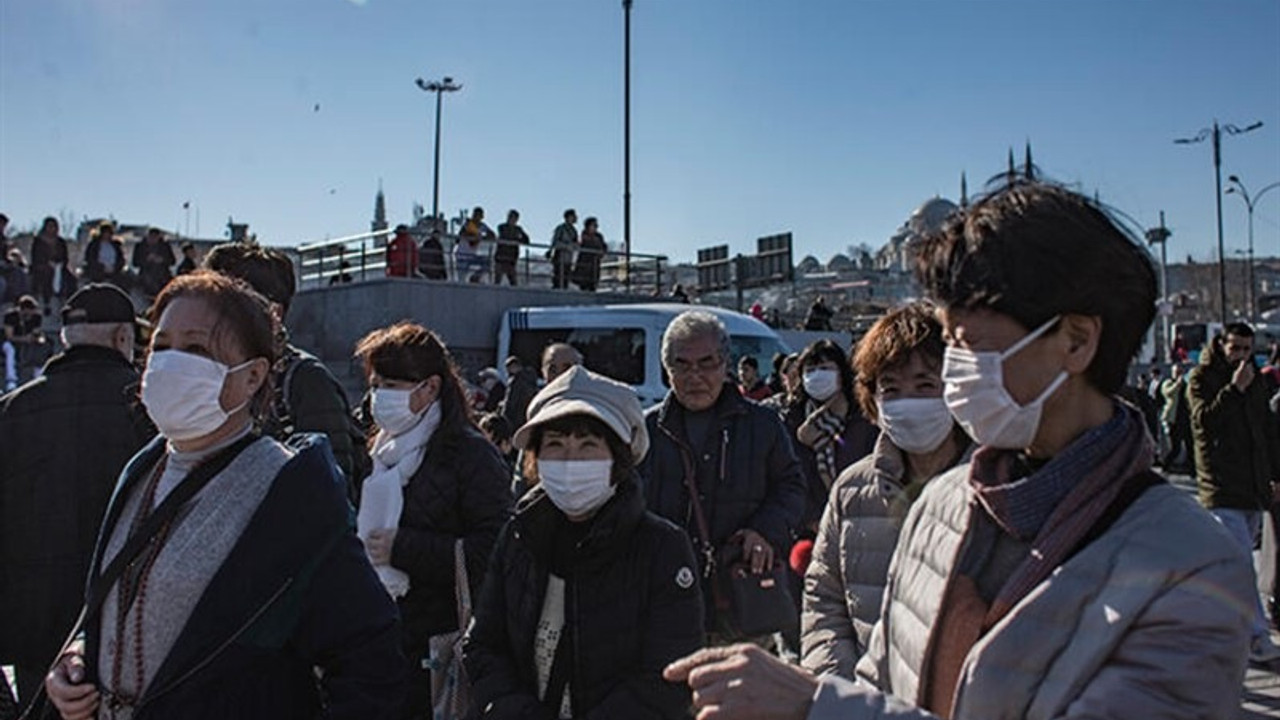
[(821, 383), (916, 425), (391, 409), (577, 487), (976, 395), (181, 393)]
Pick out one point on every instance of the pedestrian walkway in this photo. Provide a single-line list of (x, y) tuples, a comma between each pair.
[(1261, 697)]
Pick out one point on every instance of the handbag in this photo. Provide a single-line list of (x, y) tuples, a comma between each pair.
[(752, 605), (759, 604), (450, 690)]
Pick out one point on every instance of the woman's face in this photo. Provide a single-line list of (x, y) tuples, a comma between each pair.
[(562, 446), (187, 324), (825, 364), (424, 392), (914, 378)]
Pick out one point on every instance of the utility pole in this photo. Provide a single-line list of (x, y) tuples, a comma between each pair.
[(1237, 187)]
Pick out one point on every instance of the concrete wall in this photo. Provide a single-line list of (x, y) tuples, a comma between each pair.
[(329, 321)]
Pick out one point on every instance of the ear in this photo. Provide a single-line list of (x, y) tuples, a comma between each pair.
[(429, 392), (1080, 336), (256, 375)]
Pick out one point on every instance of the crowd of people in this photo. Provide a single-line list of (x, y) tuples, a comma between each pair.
[(957, 519), (575, 256)]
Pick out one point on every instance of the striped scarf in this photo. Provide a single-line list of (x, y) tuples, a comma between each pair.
[(829, 427), (1055, 506)]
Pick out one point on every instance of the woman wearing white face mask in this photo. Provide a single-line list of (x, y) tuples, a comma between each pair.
[(829, 430), (226, 559), (899, 365), (436, 481), (588, 595)]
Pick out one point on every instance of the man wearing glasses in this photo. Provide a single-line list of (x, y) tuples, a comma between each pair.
[(719, 466)]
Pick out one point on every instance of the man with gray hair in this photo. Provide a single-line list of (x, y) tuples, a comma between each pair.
[(719, 466), (67, 435)]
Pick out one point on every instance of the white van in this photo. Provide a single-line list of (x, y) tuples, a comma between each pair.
[(625, 341)]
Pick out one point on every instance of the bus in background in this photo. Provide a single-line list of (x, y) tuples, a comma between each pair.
[(624, 342)]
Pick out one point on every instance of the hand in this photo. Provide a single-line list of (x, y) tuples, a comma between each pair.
[(745, 683), (74, 698), (1243, 375), (379, 545), (755, 550)]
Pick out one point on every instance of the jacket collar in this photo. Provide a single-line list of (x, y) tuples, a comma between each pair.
[(77, 355), (671, 412), (611, 527)]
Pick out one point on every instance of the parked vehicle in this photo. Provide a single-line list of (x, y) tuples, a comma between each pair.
[(625, 341)]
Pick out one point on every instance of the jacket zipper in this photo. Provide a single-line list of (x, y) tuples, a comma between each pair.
[(220, 649)]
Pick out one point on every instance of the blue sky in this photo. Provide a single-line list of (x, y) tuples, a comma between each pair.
[(829, 118)]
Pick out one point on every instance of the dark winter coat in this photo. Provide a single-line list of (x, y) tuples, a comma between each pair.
[(95, 270), (631, 607), (64, 438), (856, 442), (1234, 435), (461, 490), (296, 592), (523, 386), (153, 262), (747, 475)]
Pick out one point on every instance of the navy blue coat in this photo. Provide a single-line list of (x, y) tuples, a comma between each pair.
[(295, 593)]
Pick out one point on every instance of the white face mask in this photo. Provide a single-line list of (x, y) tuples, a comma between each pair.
[(976, 395), (821, 383), (916, 425), (391, 409), (181, 393), (577, 487)]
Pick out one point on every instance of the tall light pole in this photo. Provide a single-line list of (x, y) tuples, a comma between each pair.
[(1161, 235), (1237, 187), (1216, 134), (626, 139), (439, 88)]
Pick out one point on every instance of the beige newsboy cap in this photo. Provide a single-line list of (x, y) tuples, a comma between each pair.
[(578, 391)]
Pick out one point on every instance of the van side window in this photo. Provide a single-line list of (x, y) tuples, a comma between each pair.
[(616, 352)]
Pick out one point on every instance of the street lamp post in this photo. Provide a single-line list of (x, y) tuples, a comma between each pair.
[(439, 88), (1216, 134), (626, 140), (1237, 187)]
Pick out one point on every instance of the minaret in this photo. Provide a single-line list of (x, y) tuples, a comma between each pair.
[(379, 211), (1028, 169), (964, 191), (1012, 175)]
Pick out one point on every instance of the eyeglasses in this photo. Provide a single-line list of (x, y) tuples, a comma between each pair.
[(702, 366)]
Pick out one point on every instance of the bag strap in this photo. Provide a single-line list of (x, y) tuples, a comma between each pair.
[(194, 482), (704, 531), (462, 591)]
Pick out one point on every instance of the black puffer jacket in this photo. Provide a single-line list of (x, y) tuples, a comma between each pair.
[(461, 490), (631, 607), (64, 439)]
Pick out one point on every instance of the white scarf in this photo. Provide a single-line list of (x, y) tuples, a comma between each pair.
[(395, 459)]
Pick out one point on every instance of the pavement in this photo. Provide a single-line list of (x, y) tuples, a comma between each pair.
[(1261, 697)]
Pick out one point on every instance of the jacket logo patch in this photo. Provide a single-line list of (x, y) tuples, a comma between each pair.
[(684, 578)]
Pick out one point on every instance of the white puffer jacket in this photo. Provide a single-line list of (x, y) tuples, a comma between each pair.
[(1150, 621)]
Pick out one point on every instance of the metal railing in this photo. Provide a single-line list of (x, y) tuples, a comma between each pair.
[(321, 264)]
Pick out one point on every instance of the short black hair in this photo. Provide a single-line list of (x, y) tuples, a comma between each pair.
[(1239, 329), (266, 270), (1033, 250), (496, 426), (751, 362)]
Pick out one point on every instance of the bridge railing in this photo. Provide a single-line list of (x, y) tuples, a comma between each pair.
[(356, 258)]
